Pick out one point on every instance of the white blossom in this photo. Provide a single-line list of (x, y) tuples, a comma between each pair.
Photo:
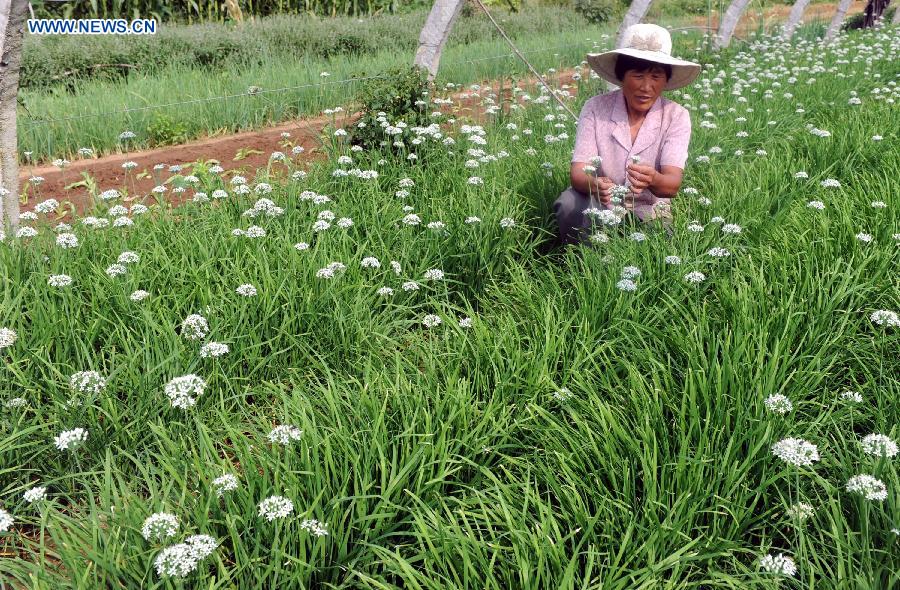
[(879, 445), (179, 560), (284, 434), (160, 526), (275, 507), (796, 451), (780, 564), (35, 494), (868, 487), (225, 483), (70, 439), (181, 390)]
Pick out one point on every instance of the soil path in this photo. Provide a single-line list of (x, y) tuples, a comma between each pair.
[(107, 171)]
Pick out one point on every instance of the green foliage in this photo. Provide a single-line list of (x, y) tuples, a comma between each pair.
[(163, 130), (47, 60), (451, 457), (597, 11), (400, 95)]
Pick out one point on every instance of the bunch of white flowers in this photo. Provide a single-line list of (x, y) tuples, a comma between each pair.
[(181, 390), (284, 434), (213, 350), (225, 483), (868, 487), (160, 526), (194, 327), (180, 560), (879, 445), (87, 382), (796, 451), (70, 439), (884, 317), (275, 507), (778, 564), (779, 404), (319, 529)]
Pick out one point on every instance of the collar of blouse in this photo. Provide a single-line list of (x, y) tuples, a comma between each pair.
[(647, 135)]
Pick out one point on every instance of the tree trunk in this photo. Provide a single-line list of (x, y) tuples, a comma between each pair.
[(729, 23), (14, 13), (434, 34), (896, 19), (837, 19), (635, 13), (793, 20), (874, 10)]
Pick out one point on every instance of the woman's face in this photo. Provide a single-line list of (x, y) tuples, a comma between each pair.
[(641, 89)]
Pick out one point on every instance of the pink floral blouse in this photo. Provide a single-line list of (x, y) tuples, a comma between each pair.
[(661, 141)]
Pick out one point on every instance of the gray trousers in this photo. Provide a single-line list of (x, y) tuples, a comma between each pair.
[(575, 226)]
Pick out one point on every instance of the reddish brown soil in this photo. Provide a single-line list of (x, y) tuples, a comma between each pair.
[(107, 172), (752, 18)]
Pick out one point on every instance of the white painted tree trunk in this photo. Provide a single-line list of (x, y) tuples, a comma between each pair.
[(434, 34), (896, 19), (635, 14), (729, 23), (793, 20), (15, 12), (837, 19)]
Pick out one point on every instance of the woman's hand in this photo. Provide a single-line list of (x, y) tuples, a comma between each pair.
[(640, 177), (603, 187)]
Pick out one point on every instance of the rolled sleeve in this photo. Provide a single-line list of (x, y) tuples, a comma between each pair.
[(585, 137), (674, 149)]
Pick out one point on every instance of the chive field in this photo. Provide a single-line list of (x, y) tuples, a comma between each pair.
[(383, 373)]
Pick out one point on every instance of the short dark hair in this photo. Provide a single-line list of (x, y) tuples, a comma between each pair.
[(626, 62)]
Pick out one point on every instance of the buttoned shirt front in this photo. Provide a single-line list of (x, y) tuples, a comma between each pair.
[(662, 140)]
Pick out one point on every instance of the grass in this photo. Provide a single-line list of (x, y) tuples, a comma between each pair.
[(440, 457)]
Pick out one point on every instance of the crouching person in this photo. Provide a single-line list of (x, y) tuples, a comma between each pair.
[(633, 137)]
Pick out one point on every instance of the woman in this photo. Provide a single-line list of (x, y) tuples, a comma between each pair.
[(640, 137)]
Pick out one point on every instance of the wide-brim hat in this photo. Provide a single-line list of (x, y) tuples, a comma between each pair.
[(648, 42)]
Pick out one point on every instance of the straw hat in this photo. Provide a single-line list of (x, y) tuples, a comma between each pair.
[(648, 42)]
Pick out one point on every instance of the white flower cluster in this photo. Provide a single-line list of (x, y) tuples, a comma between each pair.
[(6, 520), (246, 290), (695, 277), (779, 404), (180, 560), (7, 337), (284, 434), (194, 327), (780, 564), (224, 484), (181, 390), (70, 439), (35, 494), (265, 207), (314, 527), (275, 507), (160, 526), (796, 451), (868, 487), (882, 317), (87, 382), (879, 445), (59, 280), (213, 350)]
